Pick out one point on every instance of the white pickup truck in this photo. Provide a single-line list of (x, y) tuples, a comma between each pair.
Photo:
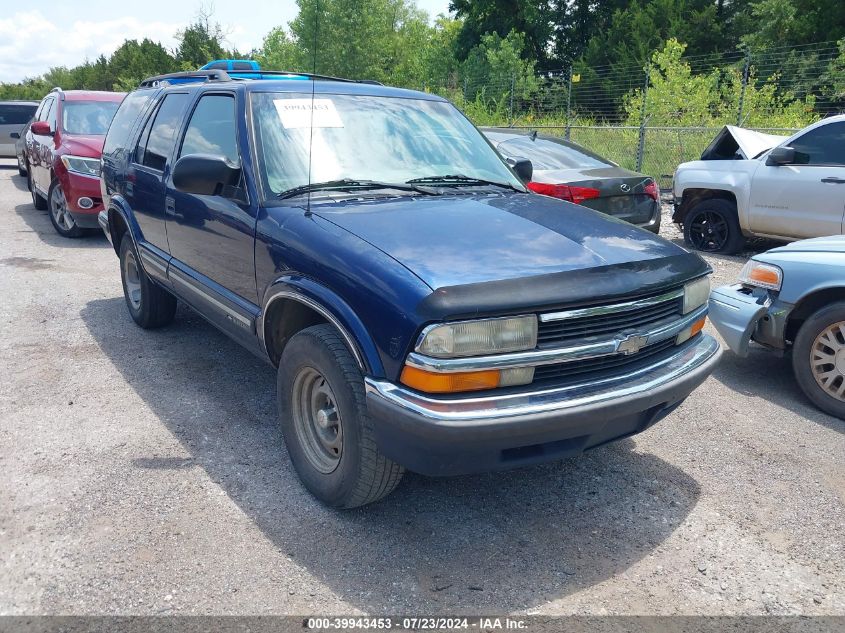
[(749, 184)]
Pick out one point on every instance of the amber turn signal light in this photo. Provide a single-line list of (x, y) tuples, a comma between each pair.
[(431, 382)]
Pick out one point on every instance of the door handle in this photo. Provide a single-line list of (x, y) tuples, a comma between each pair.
[(835, 180), (169, 206)]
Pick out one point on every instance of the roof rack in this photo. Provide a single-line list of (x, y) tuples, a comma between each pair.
[(171, 78), (222, 75)]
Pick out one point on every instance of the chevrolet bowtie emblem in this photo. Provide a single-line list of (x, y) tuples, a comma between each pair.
[(631, 344)]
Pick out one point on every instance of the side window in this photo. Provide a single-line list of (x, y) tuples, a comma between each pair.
[(218, 66), (44, 111), (15, 114), (212, 129), (41, 105), (124, 120), (824, 145), (51, 114), (159, 135)]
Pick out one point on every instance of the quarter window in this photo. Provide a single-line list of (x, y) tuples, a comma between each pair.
[(159, 134), (212, 129), (824, 145)]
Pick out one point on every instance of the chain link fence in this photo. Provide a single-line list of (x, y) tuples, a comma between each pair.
[(651, 118)]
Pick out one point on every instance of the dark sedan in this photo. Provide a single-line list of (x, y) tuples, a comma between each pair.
[(570, 172)]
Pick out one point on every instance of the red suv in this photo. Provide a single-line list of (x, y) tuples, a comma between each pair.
[(63, 147)]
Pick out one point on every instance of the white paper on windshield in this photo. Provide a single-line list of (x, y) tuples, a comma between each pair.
[(303, 113)]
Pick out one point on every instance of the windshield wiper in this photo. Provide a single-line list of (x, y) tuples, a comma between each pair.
[(349, 184), (460, 180)]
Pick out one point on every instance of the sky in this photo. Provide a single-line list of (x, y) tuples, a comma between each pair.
[(37, 36)]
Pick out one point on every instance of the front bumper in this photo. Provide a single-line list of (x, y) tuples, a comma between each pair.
[(439, 436), (741, 315)]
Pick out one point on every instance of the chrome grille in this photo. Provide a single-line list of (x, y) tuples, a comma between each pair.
[(607, 320), (603, 365)]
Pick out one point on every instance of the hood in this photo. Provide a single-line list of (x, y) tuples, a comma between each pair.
[(736, 142), (831, 244), (471, 239), (86, 146)]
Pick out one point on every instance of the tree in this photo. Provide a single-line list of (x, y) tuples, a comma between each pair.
[(279, 52), (363, 39), (133, 61), (200, 42), (532, 18)]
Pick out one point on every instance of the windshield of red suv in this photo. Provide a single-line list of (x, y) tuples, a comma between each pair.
[(356, 137), (88, 117)]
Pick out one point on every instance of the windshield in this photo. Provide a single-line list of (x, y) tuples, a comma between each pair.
[(88, 117), (353, 137)]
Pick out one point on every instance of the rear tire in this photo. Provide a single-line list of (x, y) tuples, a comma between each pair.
[(712, 226), (820, 339), (60, 215), (324, 420), (37, 201), (150, 305)]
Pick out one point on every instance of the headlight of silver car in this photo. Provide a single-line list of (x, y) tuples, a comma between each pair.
[(762, 275), (82, 165), (483, 336), (696, 293)]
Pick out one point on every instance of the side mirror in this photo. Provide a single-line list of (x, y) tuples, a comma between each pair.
[(522, 167), (15, 135), (781, 156), (205, 174), (41, 128)]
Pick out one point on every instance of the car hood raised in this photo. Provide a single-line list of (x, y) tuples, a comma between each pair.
[(471, 239), (86, 146), (749, 143)]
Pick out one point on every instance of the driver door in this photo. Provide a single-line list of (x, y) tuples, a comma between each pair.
[(807, 197)]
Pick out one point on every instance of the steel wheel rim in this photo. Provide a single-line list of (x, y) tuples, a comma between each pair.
[(59, 210), (708, 231), (132, 278), (827, 360), (317, 420)]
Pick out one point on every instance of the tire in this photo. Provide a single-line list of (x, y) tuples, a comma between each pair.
[(150, 305), (324, 420), (60, 216), (21, 167), (822, 335), (712, 226), (37, 201)]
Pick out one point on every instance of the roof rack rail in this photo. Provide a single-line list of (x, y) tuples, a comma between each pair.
[(171, 78), (285, 73)]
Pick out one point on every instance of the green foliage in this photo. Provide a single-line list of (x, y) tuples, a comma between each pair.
[(676, 96), (200, 42), (495, 68)]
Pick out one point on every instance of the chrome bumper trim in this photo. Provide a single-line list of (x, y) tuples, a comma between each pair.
[(555, 355), (612, 308), (705, 351)]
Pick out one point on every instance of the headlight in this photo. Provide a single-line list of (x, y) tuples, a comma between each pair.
[(474, 338), (81, 165), (762, 275), (696, 293)]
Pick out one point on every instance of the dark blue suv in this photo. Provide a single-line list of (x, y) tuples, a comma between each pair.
[(423, 309)]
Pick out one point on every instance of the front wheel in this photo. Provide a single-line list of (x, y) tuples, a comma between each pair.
[(60, 215), (818, 359), (325, 424), (712, 226), (150, 305)]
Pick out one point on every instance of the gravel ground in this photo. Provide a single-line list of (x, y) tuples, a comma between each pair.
[(142, 474)]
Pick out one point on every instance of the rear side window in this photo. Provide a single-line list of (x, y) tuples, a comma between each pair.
[(159, 135), (212, 129), (824, 145), (15, 113), (124, 120), (44, 111), (242, 66), (218, 66), (546, 154)]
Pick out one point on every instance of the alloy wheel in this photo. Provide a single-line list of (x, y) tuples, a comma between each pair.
[(59, 209), (708, 231), (827, 360)]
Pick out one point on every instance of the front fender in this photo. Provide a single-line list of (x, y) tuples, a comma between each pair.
[(333, 308), (119, 206), (732, 176)]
